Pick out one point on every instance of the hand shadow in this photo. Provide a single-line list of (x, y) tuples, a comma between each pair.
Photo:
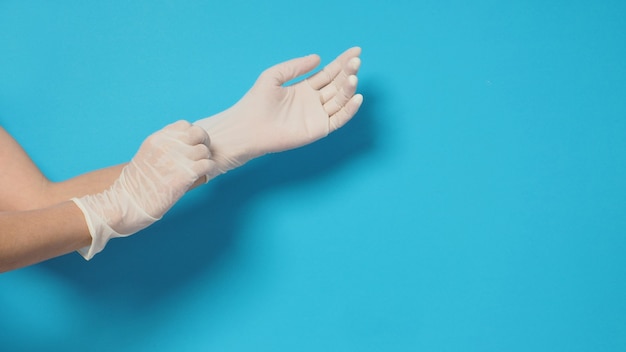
[(197, 236)]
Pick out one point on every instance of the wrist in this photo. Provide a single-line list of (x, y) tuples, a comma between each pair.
[(232, 140)]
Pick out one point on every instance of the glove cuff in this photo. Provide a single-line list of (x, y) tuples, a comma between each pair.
[(99, 230)]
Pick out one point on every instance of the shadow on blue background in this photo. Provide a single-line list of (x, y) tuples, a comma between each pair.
[(145, 267)]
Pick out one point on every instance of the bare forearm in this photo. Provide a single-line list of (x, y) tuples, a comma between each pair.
[(29, 237), (90, 183), (42, 222), (24, 187)]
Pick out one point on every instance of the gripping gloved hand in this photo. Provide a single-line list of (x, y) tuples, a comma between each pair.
[(272, 117), (166, 165)]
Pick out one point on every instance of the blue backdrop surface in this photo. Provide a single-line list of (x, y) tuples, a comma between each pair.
[(477, 202)]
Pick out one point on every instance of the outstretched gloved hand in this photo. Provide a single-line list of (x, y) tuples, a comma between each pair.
[(166, 165), (272, 117)]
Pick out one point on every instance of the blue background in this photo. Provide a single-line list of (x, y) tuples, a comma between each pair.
[(477, 202)]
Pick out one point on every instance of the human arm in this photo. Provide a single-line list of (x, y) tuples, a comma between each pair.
[(272, 117), (167, 164), (37, 219), (31, 236), (24, 187)]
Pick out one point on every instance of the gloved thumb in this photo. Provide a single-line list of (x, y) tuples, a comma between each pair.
[(288, 70)]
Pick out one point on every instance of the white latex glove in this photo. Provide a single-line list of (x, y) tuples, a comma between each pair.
[(166, 165), (272, 118)]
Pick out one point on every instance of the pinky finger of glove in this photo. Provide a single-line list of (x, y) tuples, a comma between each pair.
[(346, 113)]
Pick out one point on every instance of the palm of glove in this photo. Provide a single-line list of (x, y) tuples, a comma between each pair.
[(272, 117), (292, 116)]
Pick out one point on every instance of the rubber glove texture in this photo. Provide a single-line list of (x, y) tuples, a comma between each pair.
[(164, 168), (272, 117)]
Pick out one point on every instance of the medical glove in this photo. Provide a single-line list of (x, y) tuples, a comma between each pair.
[(166, 165), (272, 117)]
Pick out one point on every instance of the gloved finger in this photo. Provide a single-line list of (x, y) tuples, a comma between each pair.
[(346, 113), (341, 98), (353, 65), (281, 73), (335, 68), (180, 125), (203, 168), (193, 135), (202, 180), (328, 91), (199, 152)]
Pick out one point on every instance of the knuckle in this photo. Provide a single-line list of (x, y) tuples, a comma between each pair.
[(203, 151), (179, 125), (200, 132), (183, 123), (152, 140)]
